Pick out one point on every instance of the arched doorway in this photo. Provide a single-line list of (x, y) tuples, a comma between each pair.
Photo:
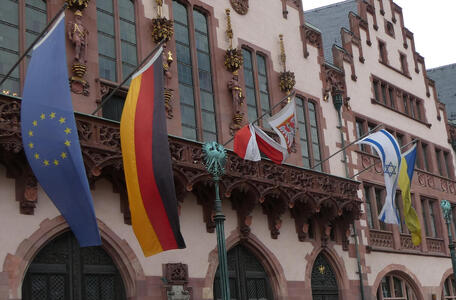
[(248, 279), (324, 282), (64, 271)]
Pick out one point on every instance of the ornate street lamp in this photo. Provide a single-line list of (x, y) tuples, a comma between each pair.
[(446, 209), (214, 160)]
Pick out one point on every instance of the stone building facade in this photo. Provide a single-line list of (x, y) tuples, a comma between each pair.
[(302, 230)]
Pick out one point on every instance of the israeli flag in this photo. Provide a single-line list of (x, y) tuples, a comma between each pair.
[(390, 154)]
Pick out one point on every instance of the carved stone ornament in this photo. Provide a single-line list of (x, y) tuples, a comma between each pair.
[(233, 59), (240, 6), (287, 81), (77, 4), (238, 99), (176, 273), (78, 35), (168, 95), (77, 82), (324, 194), (162, 29)]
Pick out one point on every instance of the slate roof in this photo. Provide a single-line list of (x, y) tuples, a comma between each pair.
[(329, 20), (445, 82)]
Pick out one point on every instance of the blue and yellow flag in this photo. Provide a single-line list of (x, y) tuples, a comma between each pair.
[(404, 182), (50, 136)]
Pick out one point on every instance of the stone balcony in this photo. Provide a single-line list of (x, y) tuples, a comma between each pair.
[(310, 196)]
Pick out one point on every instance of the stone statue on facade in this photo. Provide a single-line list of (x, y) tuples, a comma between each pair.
[(78, 34), (238, 99)]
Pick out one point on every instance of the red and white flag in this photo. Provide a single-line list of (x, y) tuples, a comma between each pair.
[(250, 140), (284, 124), (245, 144)]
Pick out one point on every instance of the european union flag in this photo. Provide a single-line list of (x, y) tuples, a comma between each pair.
[(50, 136)]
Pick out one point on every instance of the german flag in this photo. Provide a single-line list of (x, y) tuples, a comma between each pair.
[(147, 162)]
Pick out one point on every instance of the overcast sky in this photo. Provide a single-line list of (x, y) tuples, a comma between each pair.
[(433, 24)]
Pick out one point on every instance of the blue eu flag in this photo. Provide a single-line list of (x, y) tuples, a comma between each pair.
[(50, 136)]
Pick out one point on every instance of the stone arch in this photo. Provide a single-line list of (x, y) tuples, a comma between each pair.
[(269, 261), (445, 276), (404, 273), (16, 265), (337, 263)]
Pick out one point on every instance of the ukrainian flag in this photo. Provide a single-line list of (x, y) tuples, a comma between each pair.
[(404, 182)]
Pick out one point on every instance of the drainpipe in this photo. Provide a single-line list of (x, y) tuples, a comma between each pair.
[(337, 101)]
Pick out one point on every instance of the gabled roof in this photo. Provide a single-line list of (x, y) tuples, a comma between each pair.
[(445, 82), (329, 20)]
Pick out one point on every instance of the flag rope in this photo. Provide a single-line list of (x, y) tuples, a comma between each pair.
[(34, 42), (348, 145), (128, 77)]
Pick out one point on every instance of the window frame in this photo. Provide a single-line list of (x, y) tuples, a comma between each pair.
[(192, 43), (254, 52), (22, 31), (310, 144), (451, 288), (431, 218), (405, 288), (118, 43)]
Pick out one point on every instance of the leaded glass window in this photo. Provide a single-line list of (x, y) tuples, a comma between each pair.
[(247, 277), (449, 289), (393, 287), (256, 85), (12, 32), (308, 132), (116, 25), (194, 73)]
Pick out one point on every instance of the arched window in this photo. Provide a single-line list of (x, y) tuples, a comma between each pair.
[(191, 31), (395, 287), (323, 280), (16, 35), (62, 270), (449, 288), (248, 279)]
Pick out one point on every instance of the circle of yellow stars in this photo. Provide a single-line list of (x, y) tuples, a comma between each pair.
[(45, 161)]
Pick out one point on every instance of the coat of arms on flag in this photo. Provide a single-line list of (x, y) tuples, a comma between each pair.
[(250, 140), (284, 124)]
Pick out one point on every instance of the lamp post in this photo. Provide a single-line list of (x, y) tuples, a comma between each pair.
[(446, 209), (214, 160)]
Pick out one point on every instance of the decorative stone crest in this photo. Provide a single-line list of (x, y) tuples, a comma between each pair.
[(162, 29), (287, 79), (233, 59), (77, 4), (240, 6)]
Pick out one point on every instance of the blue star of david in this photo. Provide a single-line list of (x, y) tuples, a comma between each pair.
[(390, 169)]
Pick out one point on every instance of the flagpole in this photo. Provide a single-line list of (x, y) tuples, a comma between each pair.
[(264, 114), (348, 145), (34, 43), (129, 76), (362, 171)]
